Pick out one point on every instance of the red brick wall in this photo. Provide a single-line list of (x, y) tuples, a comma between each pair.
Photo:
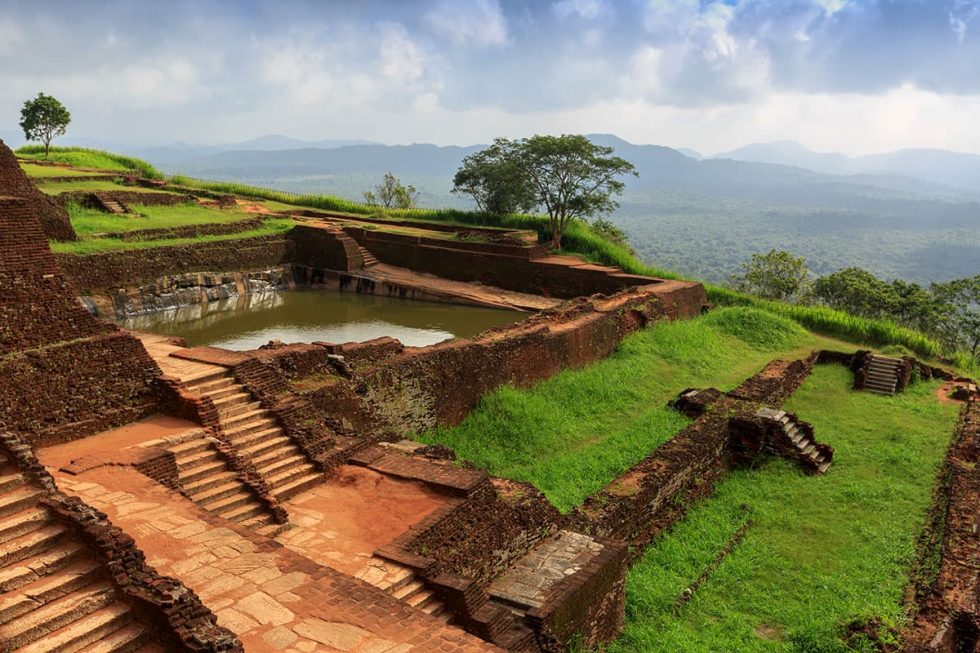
[(14, 182)]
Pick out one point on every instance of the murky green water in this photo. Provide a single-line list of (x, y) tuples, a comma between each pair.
[(319, 315)]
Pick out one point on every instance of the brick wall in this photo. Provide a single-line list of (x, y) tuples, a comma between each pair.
[(14, 182)]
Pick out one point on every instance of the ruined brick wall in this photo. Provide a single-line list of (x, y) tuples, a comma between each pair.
[(482, 264), (67, 391), (948, 619), (100, 272), (37, 304), (422, 388), (325, 248), (189, 231), (127, 197), (777, 381), (14, 182)]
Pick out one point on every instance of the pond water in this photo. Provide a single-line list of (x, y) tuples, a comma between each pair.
[(319, 315)]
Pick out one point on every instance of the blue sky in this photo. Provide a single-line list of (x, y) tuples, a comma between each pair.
[(851, 75)]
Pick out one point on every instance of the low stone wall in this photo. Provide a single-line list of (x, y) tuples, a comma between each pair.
[(176, 614), (948, 618), (67, 391), (774, 384), (127, 197), (189, 231)]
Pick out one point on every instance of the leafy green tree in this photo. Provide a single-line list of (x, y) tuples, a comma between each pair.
[(612, 232), (43, 118), (392, 194), (777, 275), (960, 320), (856, 291), (495, 180), (571, 177)]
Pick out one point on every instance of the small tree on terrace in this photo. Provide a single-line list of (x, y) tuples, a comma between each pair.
[(392, 194), (571, 177), (43, 118), (960, 321), (777, 275)]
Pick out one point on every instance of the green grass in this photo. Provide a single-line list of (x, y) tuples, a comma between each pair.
[(84, 157), (822, 551), (100, 245), (91, 186), (51, 171), (92, 221), (575, 432)]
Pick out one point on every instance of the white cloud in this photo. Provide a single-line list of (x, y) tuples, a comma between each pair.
[(588, 9), (401, 58), (465, 22), (11, 36)]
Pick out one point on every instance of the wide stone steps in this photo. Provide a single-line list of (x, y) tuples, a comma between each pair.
[(881, 375), (70, 623), (402, 584), (45, 590), (40, 565)]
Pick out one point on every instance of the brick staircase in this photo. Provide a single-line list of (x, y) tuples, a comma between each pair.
[(54, 596), (254, 433), (882, 374), (402, 583), (206, 479), (796, 441), (805, 445), (111, 205), (369, 258)]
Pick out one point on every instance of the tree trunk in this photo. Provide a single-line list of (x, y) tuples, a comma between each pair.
[(555, 239)]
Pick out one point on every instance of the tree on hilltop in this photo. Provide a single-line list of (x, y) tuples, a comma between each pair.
[(392, 194), (777, 275), (569, 176), (44, 118), (959, 325)]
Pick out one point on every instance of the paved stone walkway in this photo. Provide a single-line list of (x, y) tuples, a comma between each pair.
[(273, 598)]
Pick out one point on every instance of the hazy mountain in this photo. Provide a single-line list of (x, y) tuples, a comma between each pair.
[(789, 153)]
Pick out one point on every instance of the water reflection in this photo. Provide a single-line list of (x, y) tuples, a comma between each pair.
[(307, 315)]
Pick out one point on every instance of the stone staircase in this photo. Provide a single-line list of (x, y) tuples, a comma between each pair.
[(882, 374), (805, 445), (111, 205), (402, 583), (368, 257), (796, 441), (54, 596), (206, 479), (254, 433)]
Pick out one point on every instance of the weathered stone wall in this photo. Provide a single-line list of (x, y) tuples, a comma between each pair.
[(127, 197), (14, 182)]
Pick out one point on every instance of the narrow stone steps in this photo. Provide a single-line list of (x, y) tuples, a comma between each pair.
[(244, 512), (409, 589), (18, 499), (56, 615), (232, 410), (263, 444), (201, 471), (187, 462), (82, 632), (38, 566), (29, 544), (207, 380), (189, 447), (242, 432), (217, 492), (293, 488), (237, 421), (284, 476), (44, 590), (274, 466), (228, 503)]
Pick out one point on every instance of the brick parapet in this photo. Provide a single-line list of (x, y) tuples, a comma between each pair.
[(177, 614)]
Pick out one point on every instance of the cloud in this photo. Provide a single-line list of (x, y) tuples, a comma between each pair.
[(11, 36), (587, 9), (469, 22)]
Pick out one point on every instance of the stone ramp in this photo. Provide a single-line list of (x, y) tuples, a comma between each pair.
[(54, 596), (271, 597)]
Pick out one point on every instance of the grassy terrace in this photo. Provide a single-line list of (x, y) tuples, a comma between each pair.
[(821, 551), (574, 433)]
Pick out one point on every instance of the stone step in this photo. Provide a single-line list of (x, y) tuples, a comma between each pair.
[(23, 522), (264, 444), (189, 447), (229, 503), (400, 579), (198, 382), (823, 467), (231, 398), (217, 492), (19, 499), (418, 599), (223, 391), (30, 544), (85, 631), (243, 419), (244, 512), (233, 410), (285, 475), (878, 374), (266, 530), (809, 449), (260, 522), (128, 639), (187, 462), (291, 489), (208, 482), (9, 479), (878, 385), (38, 566), (408, 590), (44, 590), (274, 466), (237, 433), (432, 606), (202, 471), (57, 614)]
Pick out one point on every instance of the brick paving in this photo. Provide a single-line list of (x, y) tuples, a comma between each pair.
[(273, 598)]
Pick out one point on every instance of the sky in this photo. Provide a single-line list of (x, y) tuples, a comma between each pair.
[(857, 76)]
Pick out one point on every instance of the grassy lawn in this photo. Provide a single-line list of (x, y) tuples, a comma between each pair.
[(98, 245), (52, 171), (821, 551), (88, 185), (92, 159), (574, 433), (92, 221)]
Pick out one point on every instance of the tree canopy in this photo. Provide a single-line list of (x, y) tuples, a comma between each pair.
[(392, 194), (569, 176), (44, 118), (777, 275)]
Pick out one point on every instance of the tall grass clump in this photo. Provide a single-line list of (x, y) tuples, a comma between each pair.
[(758, 328), (84, 157)]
